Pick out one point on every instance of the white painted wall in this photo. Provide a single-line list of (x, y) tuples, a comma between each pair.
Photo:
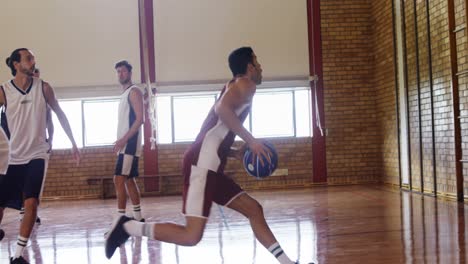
[(193, 38), (76, 43)]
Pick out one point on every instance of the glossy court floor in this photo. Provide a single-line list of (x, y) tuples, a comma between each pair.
[(345, 224)]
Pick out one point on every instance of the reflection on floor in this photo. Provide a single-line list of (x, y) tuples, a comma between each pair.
[(346, 224)]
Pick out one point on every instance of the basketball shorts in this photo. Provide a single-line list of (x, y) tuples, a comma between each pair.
[(203, 187), (22, 182), (127, 165)]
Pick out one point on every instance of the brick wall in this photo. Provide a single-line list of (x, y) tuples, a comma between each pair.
[(443, 125), (360, 108), (384, 83), (295, 155), (350, 97), (66, 180), (353, 142), (419, 91), (462, 48)]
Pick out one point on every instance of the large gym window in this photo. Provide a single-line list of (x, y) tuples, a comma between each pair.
[(93, 123), (275, 113), (278, 112), (189, 113), (100, 122), (272, 114), (72, 110)]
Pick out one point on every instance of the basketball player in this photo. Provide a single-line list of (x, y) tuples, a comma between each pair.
[(4, 160), (50, 124), (204, 164), (128, 144), (50, 136), (24, 119)]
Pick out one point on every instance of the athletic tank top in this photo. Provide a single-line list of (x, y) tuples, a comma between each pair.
[(4, 152), (126, 119), (213, 143), (24, 122)]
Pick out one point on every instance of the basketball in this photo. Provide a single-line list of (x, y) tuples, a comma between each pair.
[(258, 170)]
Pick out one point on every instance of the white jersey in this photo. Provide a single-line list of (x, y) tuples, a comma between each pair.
[(213, 144), (24, 120), (127, 117), (4, 152)]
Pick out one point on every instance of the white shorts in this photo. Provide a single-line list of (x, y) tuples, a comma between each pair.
[(4, 152)]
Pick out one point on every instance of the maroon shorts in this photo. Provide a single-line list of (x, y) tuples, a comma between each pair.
[(202, 187)]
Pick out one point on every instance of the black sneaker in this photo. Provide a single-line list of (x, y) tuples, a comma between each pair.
[(141, 220), (2, 234), (116, 236), (19, 260)]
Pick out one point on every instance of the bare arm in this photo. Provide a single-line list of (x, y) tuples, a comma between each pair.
[(136, 102), (50, 128), (240, 92), (54, 105), (2, 97)]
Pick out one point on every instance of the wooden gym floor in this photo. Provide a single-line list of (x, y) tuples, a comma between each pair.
[(343, 224)]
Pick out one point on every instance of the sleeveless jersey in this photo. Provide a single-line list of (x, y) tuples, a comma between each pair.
[(213, 143), (126, 119), (4, 152), (24, 120)]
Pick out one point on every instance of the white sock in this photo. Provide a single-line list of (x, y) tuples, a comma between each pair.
[(279, 254), (135, 228), (137, 212), (120, 212), (20, 245)]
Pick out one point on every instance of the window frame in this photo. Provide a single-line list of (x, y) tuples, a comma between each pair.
[(292, 90)]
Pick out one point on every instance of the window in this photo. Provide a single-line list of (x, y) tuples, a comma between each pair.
[(100, 122), (279, 112), (272, 114), (72, 110), (189, 114), (163, 119), (275, 113), (302, 106)]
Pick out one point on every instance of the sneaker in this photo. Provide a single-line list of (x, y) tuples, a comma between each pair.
[(19, 260), (116, 236), (141, 220), (106, 234), (2, 234)]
